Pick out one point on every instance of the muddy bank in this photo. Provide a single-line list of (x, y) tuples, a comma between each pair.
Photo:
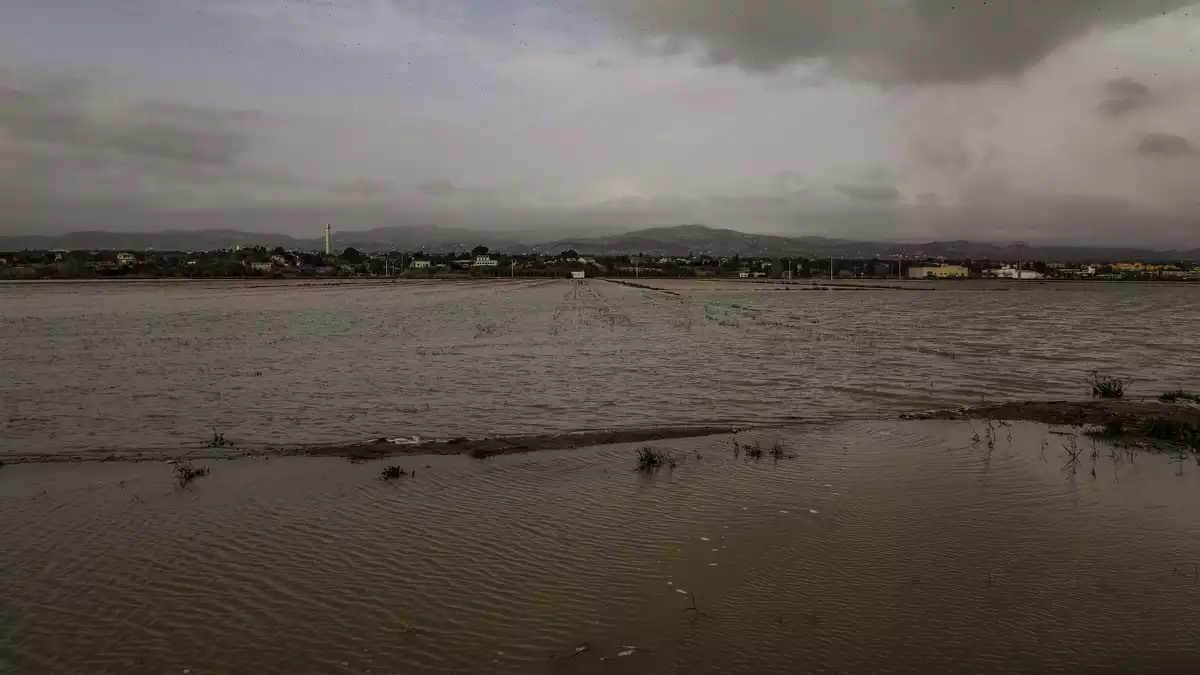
[(380, 448), (1145, 423), (634, 284), (483, 448), (1149, 423)]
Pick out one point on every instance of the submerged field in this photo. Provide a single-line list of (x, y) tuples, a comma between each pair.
[(870, 547), (825, 535), (94, 370)]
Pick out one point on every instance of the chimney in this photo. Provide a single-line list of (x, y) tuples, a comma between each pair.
[(327, 240)]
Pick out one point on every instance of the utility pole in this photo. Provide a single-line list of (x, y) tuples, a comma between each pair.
[(831, 268)]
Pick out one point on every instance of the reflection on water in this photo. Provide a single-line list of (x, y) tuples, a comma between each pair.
[(126, 368), (880, 547)]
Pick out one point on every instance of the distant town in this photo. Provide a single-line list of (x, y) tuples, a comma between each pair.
[(481, 262)]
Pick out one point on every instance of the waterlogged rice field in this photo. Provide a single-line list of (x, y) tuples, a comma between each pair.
[(120, 369), (893, 547), (872, 545)]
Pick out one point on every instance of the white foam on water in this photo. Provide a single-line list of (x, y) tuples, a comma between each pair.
[(406, 440)]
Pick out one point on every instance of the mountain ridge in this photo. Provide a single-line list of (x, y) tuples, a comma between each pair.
[(674, 240)]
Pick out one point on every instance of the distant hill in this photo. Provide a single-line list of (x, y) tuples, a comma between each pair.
[(698, 239), (657, 241)]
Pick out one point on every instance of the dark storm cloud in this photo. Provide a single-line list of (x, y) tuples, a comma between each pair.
[(1125, 95), (76, 113), (1166, 145), (869, 193), (882, 40)]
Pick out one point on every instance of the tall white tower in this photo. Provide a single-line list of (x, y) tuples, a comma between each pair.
[(327, 240)]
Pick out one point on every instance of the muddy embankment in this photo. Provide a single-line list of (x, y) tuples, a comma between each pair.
[(506, 445), (1149, 424), (398, 447)]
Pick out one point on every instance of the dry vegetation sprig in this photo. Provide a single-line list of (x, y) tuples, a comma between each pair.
[(185, 472)]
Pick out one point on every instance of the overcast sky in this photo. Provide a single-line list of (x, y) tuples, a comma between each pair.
[(1032, 120)]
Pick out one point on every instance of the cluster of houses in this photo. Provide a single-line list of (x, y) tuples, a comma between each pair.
[(1115, 271), (260, 261)]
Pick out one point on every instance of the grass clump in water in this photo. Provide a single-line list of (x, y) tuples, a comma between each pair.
[(1162, 429), (1174, 431), (218, 441), (651, 459), (756, 450), (185, 472), (1178, 395), (1107, 386), (392, 473)]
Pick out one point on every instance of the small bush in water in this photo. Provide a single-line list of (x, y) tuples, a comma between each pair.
[(1107, 386), (651, 459), (186, 473), (391, 473)]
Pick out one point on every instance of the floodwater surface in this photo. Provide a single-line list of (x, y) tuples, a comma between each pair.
[(872, 546), (122, 369), (896, 547)]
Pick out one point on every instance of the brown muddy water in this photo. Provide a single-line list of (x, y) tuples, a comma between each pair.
[(877, 547), (123, 369)]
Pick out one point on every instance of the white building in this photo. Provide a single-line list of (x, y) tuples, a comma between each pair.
[(484, 261), (126, 259), (1010, 272), (420, 264), (577, 274)]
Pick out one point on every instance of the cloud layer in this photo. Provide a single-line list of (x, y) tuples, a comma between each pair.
[(73, 112), (918, 41), (899, 119)]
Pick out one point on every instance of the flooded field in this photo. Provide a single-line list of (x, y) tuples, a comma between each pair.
[(97, 370), (874, 547)]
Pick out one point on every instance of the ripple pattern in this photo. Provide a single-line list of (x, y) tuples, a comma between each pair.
[(875, 547), (123, 369)]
